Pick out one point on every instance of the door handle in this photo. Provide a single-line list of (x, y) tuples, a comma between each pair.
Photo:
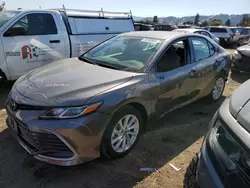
[(162, 77), (54, 41)]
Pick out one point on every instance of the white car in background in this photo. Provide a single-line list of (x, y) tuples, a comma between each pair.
[(200, 31), (224, 33)]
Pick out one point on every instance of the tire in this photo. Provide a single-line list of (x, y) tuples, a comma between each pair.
[(190, 175), (222, 42), (2, 78), (212, 97), (107, 148)]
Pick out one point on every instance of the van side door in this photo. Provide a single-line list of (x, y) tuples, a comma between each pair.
[(34, 40)]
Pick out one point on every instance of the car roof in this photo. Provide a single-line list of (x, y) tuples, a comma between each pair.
[(188, 30), (164, 35)]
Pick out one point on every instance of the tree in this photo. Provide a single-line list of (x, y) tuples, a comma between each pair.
[(188, 23), (245, 20), (197, 19), (228, 22), (204, 23), (215, 22), (155, 20), (145, 22), (2, 6)]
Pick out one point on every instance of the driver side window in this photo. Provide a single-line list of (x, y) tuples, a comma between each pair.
[(33, 24), (173, 58)]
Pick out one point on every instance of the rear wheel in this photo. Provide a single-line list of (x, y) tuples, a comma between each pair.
[(190, 176), (2, 78), (122, 132), (217, 90)]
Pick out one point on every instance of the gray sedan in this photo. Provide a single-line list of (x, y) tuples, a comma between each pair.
[(75, 110)]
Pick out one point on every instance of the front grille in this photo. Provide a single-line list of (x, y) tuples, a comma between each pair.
[(239, 175), (43, 143), (28, 107)]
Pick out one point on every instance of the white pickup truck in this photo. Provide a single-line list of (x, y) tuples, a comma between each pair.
[(33, 38)]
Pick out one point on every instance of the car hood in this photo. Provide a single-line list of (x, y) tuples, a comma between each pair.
[(239, 105), (245, 50), (69, 82)]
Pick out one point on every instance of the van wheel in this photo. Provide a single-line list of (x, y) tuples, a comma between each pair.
[(190, 175), (2, 78), (222, 42), (122, 133), (217, 90)]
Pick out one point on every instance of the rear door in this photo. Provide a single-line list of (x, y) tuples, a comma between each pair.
[(32, 41), (173, 75), (205, 60)]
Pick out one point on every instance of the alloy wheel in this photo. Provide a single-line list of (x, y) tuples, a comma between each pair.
[(218, 88), (125, 133)]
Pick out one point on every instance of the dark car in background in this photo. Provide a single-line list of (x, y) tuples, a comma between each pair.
[(77, 109), (143, 27), (224, 159), (241, 59), (165, 27)]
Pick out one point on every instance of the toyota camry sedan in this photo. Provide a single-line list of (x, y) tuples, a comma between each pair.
[(78, 109)]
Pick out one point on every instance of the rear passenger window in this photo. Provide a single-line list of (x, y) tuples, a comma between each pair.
[(201, 48), (218, 30), (37, 24), (211, 48)]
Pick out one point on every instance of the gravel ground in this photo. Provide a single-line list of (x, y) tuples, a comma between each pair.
[(173, 139)]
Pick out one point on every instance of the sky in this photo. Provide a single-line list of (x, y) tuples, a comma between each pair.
[(143, 8)]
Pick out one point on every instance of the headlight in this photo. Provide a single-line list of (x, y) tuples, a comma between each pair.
[(70, 112), (236, 55)]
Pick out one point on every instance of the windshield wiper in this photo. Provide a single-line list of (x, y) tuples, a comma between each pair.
[(98, 63), (88, 60), (108, 66)]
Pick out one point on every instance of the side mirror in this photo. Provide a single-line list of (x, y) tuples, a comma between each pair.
[(14, 31)]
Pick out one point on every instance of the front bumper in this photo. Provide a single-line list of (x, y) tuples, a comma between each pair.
[(61, 142), (207, 176), (215, 168), (241, 65)]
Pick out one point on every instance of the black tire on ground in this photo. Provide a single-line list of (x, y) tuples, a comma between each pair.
[(222, 42), (190, 175), (210, 96), (107, 150), (2, 78)]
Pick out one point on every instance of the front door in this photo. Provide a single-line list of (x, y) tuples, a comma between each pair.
[(175, 77), (33, 41)]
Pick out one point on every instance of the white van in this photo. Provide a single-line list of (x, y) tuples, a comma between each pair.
[(33, 38)]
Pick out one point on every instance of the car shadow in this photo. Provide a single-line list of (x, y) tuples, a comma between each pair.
[(4, 91), (240, 77), (163, 140)]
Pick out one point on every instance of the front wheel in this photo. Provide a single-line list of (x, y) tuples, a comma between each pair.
[(217, 90), (122, 132)]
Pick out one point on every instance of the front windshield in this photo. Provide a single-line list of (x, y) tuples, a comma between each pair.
[(5, 16), (124, 53)]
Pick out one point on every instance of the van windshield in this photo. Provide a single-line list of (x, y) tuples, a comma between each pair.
[(5, 16), (128, 53)]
